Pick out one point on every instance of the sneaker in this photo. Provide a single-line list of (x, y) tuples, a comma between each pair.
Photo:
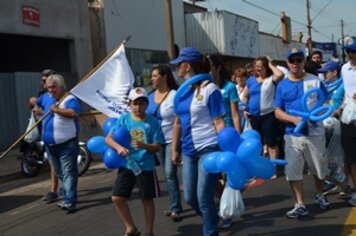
[(297, 211), (175, 216), (329, 188), (322, 201), (352, 200), (167, 213), (50, 197), (134, 232), (346, 191), (70, 207), (225, 223), (60, 204)]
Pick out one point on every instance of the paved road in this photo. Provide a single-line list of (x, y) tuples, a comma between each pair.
[(23, 213)]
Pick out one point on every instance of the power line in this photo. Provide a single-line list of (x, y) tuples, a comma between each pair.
[(322, 9), (271, 12)]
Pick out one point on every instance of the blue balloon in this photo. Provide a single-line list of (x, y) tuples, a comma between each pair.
[(249, 171), (186, 86), (226, 161), (108, 124), (97, 144), (249, 150), (278, 162), (236, 177), (263, 168), (122, 136), (209, 162), (112, 160), (326, 111), (306, 95), (229, 139), (251, 133)]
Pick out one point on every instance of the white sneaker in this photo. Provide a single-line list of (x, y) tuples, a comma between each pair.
[(352, 200), (297, 211), (322, 201)]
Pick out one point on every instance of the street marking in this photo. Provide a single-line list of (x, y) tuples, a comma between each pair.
[(25, 209), (349, 227)]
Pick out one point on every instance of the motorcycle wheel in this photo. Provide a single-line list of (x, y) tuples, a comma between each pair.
[(84, 159), (30, 169)]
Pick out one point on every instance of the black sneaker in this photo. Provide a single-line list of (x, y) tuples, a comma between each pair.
[(50, 197)]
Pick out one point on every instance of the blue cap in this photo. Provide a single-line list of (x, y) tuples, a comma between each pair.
[(351, 43), (188, 55), (329, 66), (295, 51)]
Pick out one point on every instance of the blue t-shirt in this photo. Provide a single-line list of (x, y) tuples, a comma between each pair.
[(145, 131), (229, 95), (58, 129), (289, 96), (261, 96), (164, 113), (196, 111), (338, 96)]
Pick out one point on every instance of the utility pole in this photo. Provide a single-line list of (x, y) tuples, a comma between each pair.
[(169, 30), (342, 40), (309, 28)]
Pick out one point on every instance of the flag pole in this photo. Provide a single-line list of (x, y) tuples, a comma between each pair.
[(63, 97)]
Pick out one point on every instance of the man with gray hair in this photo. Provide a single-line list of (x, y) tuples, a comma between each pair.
[(60, 135)]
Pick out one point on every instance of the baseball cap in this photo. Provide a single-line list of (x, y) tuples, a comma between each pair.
[(331, 65), (137, 93), (351, 43), (295, 51), (188, 55)]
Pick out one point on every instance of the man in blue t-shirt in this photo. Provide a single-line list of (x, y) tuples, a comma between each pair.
[(60, 135), (308, 146)]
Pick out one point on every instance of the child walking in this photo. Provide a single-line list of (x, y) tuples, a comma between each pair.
[(146, 137)]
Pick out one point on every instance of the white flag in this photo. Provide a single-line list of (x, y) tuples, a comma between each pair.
[(108, 87)]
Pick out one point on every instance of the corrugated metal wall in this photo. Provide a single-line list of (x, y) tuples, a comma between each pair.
[(224, 33), (15, 90), (8, 111)]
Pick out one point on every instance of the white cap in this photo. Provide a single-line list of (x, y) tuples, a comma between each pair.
[(137, 93)]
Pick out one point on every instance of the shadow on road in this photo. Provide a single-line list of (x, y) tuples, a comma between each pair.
[(11, 202)]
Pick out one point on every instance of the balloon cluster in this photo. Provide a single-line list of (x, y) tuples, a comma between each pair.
[(111, 158), (240, 158), (314, 114)]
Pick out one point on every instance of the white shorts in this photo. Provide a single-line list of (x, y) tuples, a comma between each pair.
[(309, 149)]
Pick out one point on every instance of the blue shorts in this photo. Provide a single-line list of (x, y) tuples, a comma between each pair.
[(268, 127)]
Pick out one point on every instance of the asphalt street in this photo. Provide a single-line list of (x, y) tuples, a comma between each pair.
[(22, 212)]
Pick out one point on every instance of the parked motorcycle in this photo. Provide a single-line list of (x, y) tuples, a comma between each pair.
[(34, 158)]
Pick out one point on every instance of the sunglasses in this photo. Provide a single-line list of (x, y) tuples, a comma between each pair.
[(348, 51), (295, 60), (43, 81)]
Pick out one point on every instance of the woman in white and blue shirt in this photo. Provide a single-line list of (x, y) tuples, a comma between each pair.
[(259, 95), (200, 112), (161, 107)]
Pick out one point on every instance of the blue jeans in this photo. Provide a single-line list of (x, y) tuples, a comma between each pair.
[(199, 187), (171, 177), (64, 160)]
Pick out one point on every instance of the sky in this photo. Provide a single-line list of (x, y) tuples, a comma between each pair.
[(325, 15)]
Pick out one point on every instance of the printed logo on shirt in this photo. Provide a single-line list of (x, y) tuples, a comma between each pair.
[(137, 134), (200, 97)]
